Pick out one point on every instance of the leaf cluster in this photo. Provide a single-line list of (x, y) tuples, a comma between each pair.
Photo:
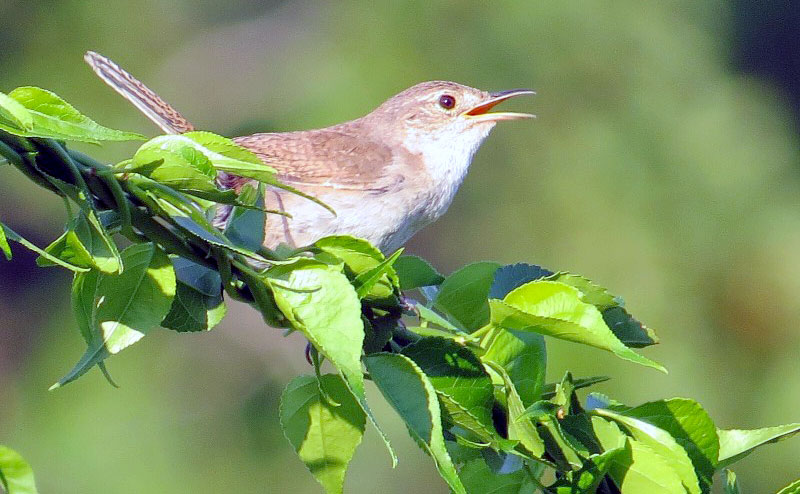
[(461, 358)]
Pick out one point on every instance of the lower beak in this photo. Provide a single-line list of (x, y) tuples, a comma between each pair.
[(481, 111)]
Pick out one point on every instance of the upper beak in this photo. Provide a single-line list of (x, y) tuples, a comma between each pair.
[(481, 111)]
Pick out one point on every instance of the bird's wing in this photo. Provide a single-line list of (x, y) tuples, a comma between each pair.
[(332, 158)]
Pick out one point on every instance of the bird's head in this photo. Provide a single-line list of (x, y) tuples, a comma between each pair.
[(443, 110)]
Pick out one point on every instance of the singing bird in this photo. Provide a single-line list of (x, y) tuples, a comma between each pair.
[(386, 175)]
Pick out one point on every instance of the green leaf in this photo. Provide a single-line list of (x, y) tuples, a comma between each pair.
[(55, 118), (735, 444), (589, 476), (661, 443), (246, 226), (128, 305), (318, 300), (84, 288), (322, 304), (623, 325), (412, 395), (567, 453), (511, 276), (630, 331), (520, 426), (555, 309), (183, 168), (793, 488), (16, 476), (465, 389), (638, 469), (426, 314), (226, 152), (591, 293), (213, 237), (607, 433), (4, 243), (366, 281), (690, 425), (191, 160), (86, 243), (731, 484), (359, 257), (325, 435), (415, 272), (549, 389), (194, 311), (15, 113), (203, 279), (264, 299), (523, 356), (478, 477), (463, 294), (14, 236)]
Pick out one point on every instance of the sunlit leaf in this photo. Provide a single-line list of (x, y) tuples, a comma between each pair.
[(86, 243), (412, 395), (478, 477), (555, 309), (463, 294), (4, 243), (128, 305), (53, 117), (660, 443), (589, 476), (84, 289), (16, 476), (183, 168), (15, 113), (793, 488), (623, 325), (520, 426), (464, 388), (318, 300), (324, 434), (731, 484), (687, 422), (14, 236), (359, 257), (511, 276), (366, 281), (735, 444), (638, 469), (524, 357)]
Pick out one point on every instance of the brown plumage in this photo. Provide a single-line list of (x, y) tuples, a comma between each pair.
[(338, 156)]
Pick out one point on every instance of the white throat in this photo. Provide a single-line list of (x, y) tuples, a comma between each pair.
[(447, 158)]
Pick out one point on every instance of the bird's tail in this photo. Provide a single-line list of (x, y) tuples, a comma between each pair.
[(148, 102)]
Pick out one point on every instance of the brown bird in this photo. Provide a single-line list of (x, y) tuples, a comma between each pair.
[(387, 174)]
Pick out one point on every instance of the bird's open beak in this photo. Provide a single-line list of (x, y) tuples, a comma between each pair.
[(481, 111)]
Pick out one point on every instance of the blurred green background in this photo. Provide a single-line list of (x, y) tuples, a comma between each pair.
[(665, 165)]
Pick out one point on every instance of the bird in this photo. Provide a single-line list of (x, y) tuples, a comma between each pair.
[(386, 175)]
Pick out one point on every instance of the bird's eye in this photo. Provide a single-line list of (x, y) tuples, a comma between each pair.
[(447, 102)]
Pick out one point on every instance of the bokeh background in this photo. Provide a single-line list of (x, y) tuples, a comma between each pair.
[(665, 164)]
